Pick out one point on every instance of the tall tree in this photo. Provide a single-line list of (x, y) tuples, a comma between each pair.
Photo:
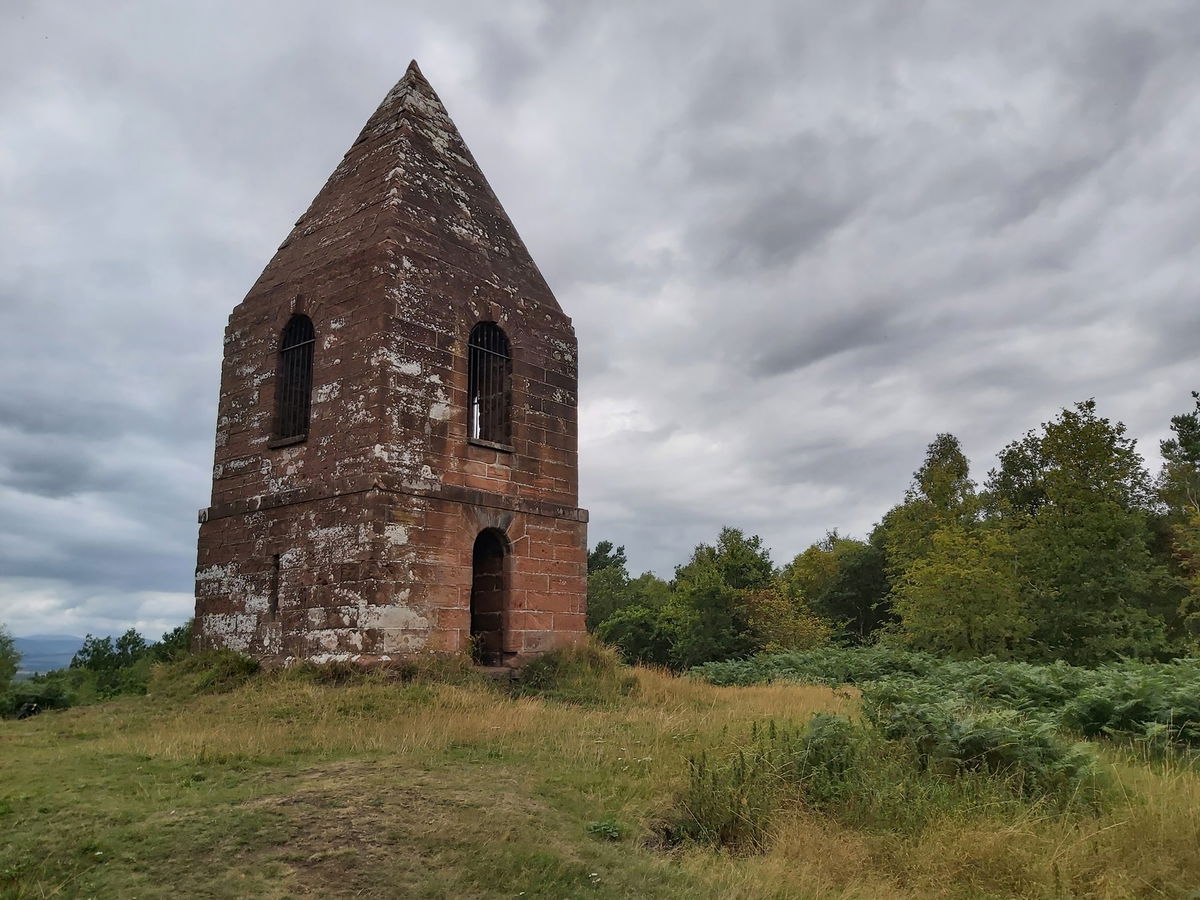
[(705, 616), (743, 563), (1179, 493), (964, 598), (942, 493), (843, 580), (605, 556), (1179, 482), (1073, 497), (607, 583)]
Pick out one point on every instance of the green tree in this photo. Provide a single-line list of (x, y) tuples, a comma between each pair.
[(607, 592), (10, 658), (649, 591), (741, 562), (844, 581), (964, 598), (1179, 493), (174, 643), (777, 622), (120, 666), (605, 556), (1073, 498), (642, 635), (705, 617), (941, 494), (705, 620), (1179, 481)]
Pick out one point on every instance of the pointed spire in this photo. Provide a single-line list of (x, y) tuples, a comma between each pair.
[(411, 166)]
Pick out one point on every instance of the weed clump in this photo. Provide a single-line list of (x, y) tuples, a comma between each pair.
[(205, 672), (912, 763), (587, 674)]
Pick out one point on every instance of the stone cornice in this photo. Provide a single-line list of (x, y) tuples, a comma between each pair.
[(360, 484)]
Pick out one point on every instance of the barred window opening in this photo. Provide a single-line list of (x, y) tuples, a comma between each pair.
[(294, 391), (489, 391)]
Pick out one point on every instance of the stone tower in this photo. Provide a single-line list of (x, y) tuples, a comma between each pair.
[(396, 466)]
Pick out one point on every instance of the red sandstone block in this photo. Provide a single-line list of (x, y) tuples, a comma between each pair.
[(476, 468), (567, 584), (447, 641), (525, 581), (554, 603), (454, 619), (533, 621), (537, 641), (571, 553), (560, 567), (445, 520), (491, 485), (569, 622)]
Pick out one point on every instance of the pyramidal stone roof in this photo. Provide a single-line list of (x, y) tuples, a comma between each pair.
[(410, 185)]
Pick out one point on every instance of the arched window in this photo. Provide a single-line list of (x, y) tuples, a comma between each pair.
[(489, 379), (293, 392)]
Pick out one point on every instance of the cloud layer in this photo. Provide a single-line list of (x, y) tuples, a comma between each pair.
[(797, 241)]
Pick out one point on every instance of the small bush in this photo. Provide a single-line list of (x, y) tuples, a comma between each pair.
[(948, 739), (206, 672), (588, 674)]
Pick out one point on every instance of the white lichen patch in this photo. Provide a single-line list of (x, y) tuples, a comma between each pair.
[(327, 392), (397, 535), (234, 631)]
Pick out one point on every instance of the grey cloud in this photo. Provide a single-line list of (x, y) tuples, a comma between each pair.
[(797, 241)]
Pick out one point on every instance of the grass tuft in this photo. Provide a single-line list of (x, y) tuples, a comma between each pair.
[(586, 674), (206, 672)]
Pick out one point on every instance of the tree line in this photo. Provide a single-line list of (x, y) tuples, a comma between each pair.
[(1069, 550), (102, 668)]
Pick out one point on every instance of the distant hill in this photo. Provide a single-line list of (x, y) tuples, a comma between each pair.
[(43, 652)]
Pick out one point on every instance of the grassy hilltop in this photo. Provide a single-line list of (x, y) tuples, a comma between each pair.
[(590, 781)]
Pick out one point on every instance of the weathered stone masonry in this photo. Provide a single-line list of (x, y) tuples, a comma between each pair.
[(362, 538)]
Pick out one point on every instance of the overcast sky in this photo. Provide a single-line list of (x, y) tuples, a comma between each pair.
[(797, 241)]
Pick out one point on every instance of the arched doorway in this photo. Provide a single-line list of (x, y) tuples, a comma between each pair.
[(488, 595)]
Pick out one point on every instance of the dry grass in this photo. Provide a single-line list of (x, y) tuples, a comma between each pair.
[(290, 788)]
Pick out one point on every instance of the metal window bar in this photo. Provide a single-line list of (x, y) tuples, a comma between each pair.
[(295, 377), (489, 378)]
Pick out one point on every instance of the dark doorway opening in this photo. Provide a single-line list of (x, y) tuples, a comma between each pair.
[(488, 593)]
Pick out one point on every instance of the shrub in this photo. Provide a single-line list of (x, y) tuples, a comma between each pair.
[(206, 672), (948, 739), (46, 694), (780, 623), (588, 673), (639, 633)]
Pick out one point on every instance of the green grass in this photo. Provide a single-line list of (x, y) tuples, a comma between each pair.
[(311, 784)]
